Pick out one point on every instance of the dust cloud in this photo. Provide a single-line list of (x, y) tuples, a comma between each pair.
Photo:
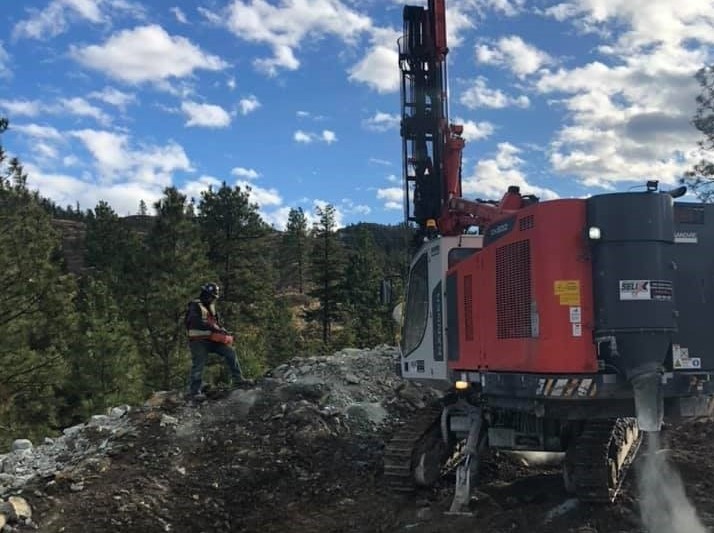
[(664, 507)]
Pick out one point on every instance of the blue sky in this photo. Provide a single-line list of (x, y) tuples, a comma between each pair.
[(116, 99)]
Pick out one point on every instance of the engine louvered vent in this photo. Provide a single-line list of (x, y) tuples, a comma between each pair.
[(513, 290), (468, 308), (526, 223)]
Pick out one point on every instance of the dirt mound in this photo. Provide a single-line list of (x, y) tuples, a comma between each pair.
[(302, 451)]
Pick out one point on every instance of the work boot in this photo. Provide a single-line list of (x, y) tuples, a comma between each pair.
[(243, 384), (195, 396)]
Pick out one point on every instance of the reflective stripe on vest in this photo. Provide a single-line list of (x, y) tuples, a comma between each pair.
[(198, 334)]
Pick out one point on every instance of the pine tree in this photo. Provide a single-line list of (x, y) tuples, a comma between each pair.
[(143, 211), (104, 369), (326, 271), (362, 278), (240, 249), (294, 251), (701, 177), (38, 318), (107, 243), (167, 273)]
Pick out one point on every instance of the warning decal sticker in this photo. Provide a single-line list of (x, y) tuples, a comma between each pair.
[(568, 291)]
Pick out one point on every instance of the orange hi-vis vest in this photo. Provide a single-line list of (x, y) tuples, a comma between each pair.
[(209, 332)]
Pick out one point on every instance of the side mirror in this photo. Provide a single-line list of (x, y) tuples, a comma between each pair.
[(385, 292)]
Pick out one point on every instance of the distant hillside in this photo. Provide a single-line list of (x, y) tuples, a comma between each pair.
[(390, 240)]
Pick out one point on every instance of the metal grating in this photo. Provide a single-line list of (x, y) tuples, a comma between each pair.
[(513, 290), (526, 223), (468, 308)]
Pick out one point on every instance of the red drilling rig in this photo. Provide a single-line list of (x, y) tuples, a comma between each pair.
[(569, 325)]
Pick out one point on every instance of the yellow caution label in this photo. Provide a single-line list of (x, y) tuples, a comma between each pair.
[(568, 290)]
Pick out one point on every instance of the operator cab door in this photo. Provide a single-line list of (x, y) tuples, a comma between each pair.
[(424, 332)]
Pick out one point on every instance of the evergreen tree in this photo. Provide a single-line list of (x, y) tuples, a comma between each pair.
[(143, 211), (167, 274), (326, 273), (240, 249), (294, 251), (362, 278), (38, 316), (104, 369), (701, 177), (107, 243)]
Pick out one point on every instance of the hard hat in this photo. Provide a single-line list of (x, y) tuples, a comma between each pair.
[(211, 289)]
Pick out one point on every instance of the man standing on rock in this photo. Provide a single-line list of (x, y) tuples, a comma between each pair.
[(207, 335)]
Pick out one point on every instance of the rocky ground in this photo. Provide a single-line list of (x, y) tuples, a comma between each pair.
[(302, 451)]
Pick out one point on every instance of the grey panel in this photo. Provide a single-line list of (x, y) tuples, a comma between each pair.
[(694, 280)]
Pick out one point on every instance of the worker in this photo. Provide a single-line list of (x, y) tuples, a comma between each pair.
[(207, 335)]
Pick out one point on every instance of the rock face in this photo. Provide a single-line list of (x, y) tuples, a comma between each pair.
[(72, 233), (301, 451)]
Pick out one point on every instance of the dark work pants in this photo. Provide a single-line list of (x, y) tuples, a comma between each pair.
[(199, 354)]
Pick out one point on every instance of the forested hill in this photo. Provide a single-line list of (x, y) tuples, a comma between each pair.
[(390, 240), (94, 303)]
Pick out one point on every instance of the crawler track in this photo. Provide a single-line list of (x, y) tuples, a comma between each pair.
[(600, 457), (403, 453)]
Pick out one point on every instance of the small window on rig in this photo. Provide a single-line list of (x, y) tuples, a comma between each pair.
[(456, 255), (417, 306), (685, 214)]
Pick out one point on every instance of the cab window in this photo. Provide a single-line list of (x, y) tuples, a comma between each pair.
[(417, 308)]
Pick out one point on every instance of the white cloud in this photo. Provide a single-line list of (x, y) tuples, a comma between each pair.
[(259, 195), (670, 22), (306, 137), (26, 108), (492, 177), (4, 60), (59, 14), (393, 197), (45, 151), (146, 53), (302, 137), (64, 189), (179, 14), (248, 104), (513, 53), (115, 158), (80, 107), (480, 95), (114, 97), (302, 114), (349, 207), (64, 106), (629, 113), (38, 131), (378, 69), (382, 121), (329, 136), (474, 131), (205, 115), (247, 173), (283, 27), (278, 218), (193, 188)]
